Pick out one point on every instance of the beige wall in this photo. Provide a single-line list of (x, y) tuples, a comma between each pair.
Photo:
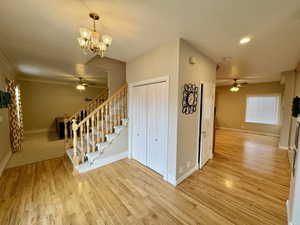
[(293, 121), (188, 125), (172, 59), (231, 106), (5, 71), (289, 135), (287, 100), (44, 101), (162, 61), (115, 69)]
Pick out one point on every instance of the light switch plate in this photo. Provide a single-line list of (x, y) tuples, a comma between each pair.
[(1, 119)]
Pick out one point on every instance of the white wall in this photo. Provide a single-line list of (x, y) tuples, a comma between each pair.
[(162, 61), (188, 125), (6, 71)]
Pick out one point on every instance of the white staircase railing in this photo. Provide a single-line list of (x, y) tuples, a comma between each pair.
[(98, 127), (81, 114)]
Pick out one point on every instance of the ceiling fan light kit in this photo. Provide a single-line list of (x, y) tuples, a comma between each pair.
[(234, 89), (80, 87), (236, 86), (82, 84), (91, 42)]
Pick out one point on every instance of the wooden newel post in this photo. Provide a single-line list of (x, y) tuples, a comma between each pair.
[(66, 132), (75, 128)]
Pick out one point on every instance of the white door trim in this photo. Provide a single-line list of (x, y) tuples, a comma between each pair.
[(199, 133), (198, 126), (130, 131)]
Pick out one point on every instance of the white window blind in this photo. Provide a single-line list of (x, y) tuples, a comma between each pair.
[(262, 109)]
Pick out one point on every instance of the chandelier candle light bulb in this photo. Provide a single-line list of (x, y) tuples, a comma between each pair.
[(107, 39), (91, 41)]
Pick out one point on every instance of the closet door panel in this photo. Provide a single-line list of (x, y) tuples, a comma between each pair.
[(139, 124), (157, 135)]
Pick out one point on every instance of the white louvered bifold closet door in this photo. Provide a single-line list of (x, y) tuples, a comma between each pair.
[(150, 125), (139, 124), (157, 134)]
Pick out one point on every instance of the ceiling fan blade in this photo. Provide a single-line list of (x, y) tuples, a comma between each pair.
[(242, 84), (241, 77), (91, 83), (224, 80)]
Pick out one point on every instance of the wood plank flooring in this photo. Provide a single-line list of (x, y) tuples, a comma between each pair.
[(246, 183)]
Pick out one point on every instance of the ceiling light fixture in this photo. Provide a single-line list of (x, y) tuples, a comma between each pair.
[(234, 89), (80, 87), (91, 42), (235, 86), (245, 40)]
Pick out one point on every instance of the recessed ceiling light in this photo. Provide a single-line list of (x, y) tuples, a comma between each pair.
[(245, 40)]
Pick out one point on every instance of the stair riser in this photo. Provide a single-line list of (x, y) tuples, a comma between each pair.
[(100, 147)]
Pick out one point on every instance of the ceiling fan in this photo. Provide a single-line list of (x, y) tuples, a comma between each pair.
[(237, 85), (83, 83)]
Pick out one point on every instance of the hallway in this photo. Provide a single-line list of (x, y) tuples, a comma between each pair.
[(246, 183)]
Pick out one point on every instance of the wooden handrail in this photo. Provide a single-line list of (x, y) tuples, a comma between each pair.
[(88, 104), (102, 105), (93, 129)]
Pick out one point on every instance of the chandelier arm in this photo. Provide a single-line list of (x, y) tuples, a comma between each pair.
[(91, 45)]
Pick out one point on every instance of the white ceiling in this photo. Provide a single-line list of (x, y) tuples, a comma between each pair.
[(39, 37)]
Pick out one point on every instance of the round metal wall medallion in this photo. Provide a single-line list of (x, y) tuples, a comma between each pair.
[(190, 99)]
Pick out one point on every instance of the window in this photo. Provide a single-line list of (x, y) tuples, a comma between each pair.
[(262, 109)]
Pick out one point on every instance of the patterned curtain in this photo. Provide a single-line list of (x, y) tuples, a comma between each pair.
[(15, 116)]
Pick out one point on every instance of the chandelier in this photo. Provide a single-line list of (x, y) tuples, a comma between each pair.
[(91, 42)]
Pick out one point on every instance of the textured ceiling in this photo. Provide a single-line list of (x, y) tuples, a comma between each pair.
[(39, 37)]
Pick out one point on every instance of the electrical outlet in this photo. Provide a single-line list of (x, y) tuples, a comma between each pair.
[(188, 164)]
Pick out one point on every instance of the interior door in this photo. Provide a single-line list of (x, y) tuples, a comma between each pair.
[(207, 123), (157, 127), (139, 124)]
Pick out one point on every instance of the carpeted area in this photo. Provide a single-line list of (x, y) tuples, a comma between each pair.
[(37, 147)]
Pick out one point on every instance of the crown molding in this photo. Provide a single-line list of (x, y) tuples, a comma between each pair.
[(57, 82)]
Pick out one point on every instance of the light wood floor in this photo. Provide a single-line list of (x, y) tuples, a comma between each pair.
[(246, 183)]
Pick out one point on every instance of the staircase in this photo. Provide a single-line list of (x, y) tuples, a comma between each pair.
[(91, 130)]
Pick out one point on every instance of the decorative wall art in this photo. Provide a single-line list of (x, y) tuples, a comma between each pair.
[(190, 99), (5, 99)]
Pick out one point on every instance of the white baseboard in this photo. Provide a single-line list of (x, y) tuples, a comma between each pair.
[(248, 131), (38, 131), (288, 210), (101, 162), (172, 180), (4, 161)]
